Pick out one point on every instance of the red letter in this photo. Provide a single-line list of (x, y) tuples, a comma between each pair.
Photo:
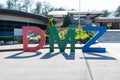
[(25, 39)]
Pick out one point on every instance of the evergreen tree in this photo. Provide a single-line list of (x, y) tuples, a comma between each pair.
[(117, 12), (67, 21), (106, 13)]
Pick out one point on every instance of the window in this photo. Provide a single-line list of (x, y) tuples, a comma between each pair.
[(9, 27), (119, 26), (2, 26), (109, 25)]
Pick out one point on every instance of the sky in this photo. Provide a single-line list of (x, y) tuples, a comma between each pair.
[(85, 5)]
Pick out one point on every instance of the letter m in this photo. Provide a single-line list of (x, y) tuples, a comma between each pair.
[(70, 36)]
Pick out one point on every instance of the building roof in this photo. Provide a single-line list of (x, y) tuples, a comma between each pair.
[(23, 14), (58, 13), (107, 19), (92, 14)]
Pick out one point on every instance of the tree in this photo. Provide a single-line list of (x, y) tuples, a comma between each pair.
[(13, 4), (22, 5), (106, 13), (1, 6), (60, 9), (47, 32), (50, 23), (63, 9), (117, 12), (38, 8), (46, 8), (42, 8), (67, 21), (73, 9), (27, 5), (9, 4)]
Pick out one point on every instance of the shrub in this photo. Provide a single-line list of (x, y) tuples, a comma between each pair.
[(80, 35), (7, 38)]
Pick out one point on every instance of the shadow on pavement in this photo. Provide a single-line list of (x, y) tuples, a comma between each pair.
[(97, 56), (24, 55), (21, 55), (70, 56)]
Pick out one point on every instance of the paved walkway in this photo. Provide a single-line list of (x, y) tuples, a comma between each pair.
[(43, 65)]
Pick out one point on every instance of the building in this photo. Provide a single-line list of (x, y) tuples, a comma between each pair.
[(86, 18), (111, 23), (13, 19)]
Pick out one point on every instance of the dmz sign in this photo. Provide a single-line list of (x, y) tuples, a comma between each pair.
[(70, 36)]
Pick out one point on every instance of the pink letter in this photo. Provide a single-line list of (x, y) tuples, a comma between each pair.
[(25, 39)]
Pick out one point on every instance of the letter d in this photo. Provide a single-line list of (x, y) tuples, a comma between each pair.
[(25, 39)]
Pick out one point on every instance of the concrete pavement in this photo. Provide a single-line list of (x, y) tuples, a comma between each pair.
[(43, 65)]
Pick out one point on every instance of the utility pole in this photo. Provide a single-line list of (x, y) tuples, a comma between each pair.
[(79, 13)]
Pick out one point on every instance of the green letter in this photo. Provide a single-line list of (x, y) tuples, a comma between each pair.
[(70, 36)]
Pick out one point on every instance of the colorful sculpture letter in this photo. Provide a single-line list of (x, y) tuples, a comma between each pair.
[(101, 30), (70, 36), (25, 39)]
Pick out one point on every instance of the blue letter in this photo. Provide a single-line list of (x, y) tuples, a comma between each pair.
[(101, 30)]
